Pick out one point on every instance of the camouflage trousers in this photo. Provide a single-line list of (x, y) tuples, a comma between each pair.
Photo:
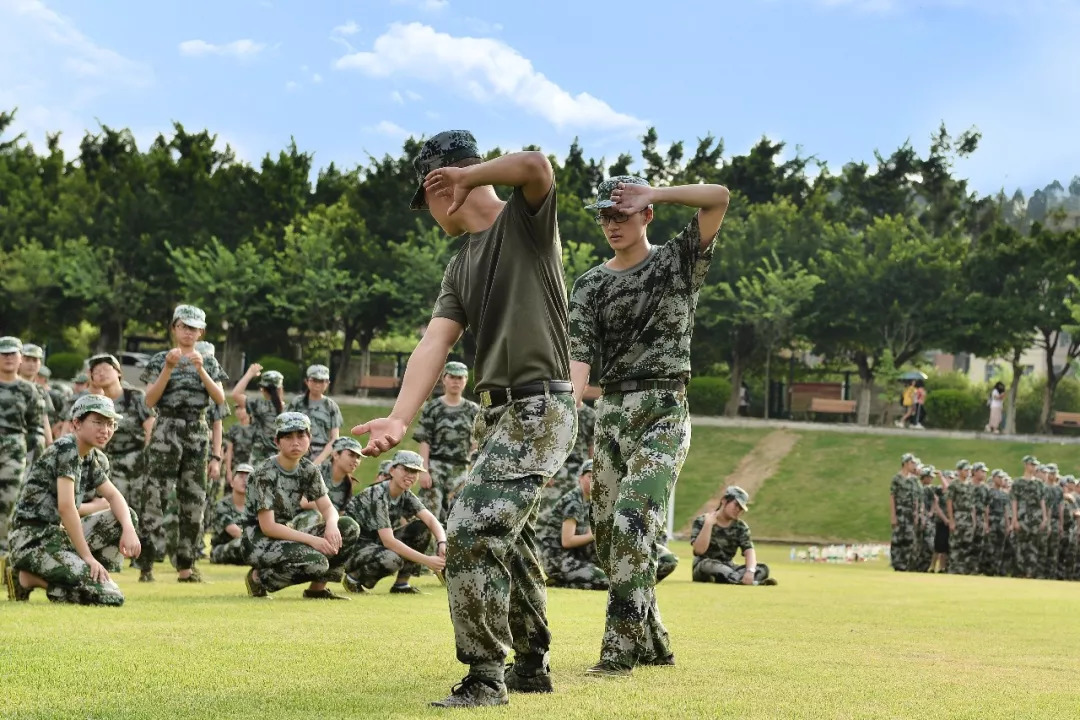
[(1067, 559), (962, 554), (282, 563), (447, 480), (666, 562), (12, 467), (126, 471), (368, 563), (904, 546), (924, 552), (574, 568), (175, 461), (993, 550), (306, 521), (494, 581), (1027, 547), (558, 485), (230, 553), (642, 439), (726, 573), (46, 551), (1052, 552)]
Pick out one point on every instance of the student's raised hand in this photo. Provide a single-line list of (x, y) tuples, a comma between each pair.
[(386, 433), (172, 358), (630, 198), (333, 536), (254, 369), (130, 547), (98, 573), (448, 182), (213, 469), (436, 563)]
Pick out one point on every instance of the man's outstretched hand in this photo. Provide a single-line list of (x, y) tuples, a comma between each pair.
[(385, 434)]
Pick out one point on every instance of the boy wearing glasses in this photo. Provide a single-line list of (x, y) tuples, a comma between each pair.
[(635, 313)]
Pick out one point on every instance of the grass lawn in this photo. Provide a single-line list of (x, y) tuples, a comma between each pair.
[(828, 642)]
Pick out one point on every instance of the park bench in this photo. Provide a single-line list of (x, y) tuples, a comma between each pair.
[(1065, 420), (379, 382), (831, 406)]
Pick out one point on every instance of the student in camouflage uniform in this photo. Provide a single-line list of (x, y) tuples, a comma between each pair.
[(564, 480), (324, 413), (904, 505), (181, 384), (126, 449), (21, 410), (383, 472), (997, 526), (716, 536), (444, 432), (1067, 557), (635, 313), (80, 385), (395, 530), (227, 535), (42, 437), (337, 474), (980, 496), (1029, 519), (565, 540), (59, 544), (927, 525), (505, 285), (1054, 497), (279, 555), (59, 395), (960, 508), (261, 410), (239, 440)]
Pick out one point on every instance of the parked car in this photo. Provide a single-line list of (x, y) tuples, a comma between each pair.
[(136, 359)]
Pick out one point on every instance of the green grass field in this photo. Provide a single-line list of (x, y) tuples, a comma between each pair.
[(829, 642)]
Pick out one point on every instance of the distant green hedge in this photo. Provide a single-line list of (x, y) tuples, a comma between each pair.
[(64, 365), (290, 370), (708, 395)]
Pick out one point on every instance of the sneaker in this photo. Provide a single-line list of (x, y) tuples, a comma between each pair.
[(404, 590), (194, 577), (352, 585), (15, 591), (769, 581), (606, 668), (666, 661), (918, 426), (323, 594), (473, 691), (254, 587), (538, 683), (146, 576)]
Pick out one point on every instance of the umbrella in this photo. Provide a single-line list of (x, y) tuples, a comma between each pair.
[(913, 375)]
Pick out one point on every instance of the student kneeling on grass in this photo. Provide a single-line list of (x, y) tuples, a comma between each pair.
[(279, 555), (337, 473), (60, 545), (227, 540), (715, 538), (395, 528)]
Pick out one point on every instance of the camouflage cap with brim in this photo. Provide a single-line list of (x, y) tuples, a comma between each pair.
[(997, 472), (205, 348), (1068, 479), (962, 464), (605, 188), (978, 466), (271, 378), (318, 372), (409, 459), (103, 358), (81, 378), (190, 316), (32, 351), (348, 443), (1051, 467), (586, 467), (457, 369), (384, 467), (446, 148), (926, 470), (739, 495), (1030, 460), (95, 404), (44, 372), (245, 468), (908, 457), (288, 422), (10, 344)]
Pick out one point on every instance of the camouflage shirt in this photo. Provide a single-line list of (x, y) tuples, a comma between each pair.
[(263, 413), (447, 430), (59, 398), (37, 503), (325, 415), (1069, 501), (65, 414), (906, 491), (962, 495), (638, 322), (999, 508), (47, 404), (1054, 496), (271, 487), (130, 434), (225, 514), (242, 438), (373, 509), (929, 494), (340, 493), (981, 499), (1028, 495), (725, 541), (21, 408), (585, 429), (185, 390)]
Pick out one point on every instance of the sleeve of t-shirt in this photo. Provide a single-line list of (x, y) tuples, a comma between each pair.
[(214, 370), (693, 261), (424, 428), (540, 224), (336, 420), (412, 504), (313, 485), (382, 512), (448, 304), (143, 412), (68, 463), (584, 334), (34, 409), (260, 489), (695, 529), (100, 470), (153, 368), (745, 543)]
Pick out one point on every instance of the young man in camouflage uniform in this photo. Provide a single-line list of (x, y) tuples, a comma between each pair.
[(32, 355), (58, 543), (960, 508), (324, 413), (904, 504), (279, 555), (565, 540), (716, 536), (635, 313), (395, 530), (1067, 556), (444, 432), (997, 526), (924, 556), (1029, 519), (1055, 498), (506, 285), (21, 410), (239, 440), (227, 533), (980, 497)]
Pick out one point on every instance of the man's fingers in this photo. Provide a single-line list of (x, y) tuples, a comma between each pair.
[(361, 429)]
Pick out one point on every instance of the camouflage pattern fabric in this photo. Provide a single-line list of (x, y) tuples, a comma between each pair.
[(282, 563), (35, 441), (12, 469), (184, 392), (224, 548), (993, 554), (448, 432), (446, 148), (583, 444), (639, 322), (374, 509), (962, 557), (271, 487), (65, 413), (927, 530), (980, 503), (494, 581), (339, 497), (717, 571), (905, 490), (641, 443), (20, 410), (1055, 497), (242, 439), (724, 542), (447, 479), (126, 449), (262, 413), (1067, 548), (576, 568), (37, 503), (666, 562), (59, 396), (370, 562), (1027, 540), (325, 415)]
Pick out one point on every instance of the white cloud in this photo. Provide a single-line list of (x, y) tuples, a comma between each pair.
[(486, 70), (292, 85), (348, 28), (317, 78), (414, 96), (397, 97), (390, 129), (243, 49)]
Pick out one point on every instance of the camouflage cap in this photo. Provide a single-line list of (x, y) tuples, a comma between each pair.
[(978, 466), (10, 344), (288, 422), (950, 474), (384, 467), (206, 349), (908, 457), (271, 378), (409, 459), (446, 148), (44, 372), (1051, 467), (925, 470), (962, 464), (604, 189), (1042, 468), (348, 443), (30, 350), (457, 369), (318, 372), (81, 377), (1068, 479), (190, 316), (1030, 460), (103, 358), (244, 467), (91, 403), (736, 493), (586, 467), (998, 472)]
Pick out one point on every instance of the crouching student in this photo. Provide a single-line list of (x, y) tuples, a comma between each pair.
[(58, 544), (227, 536), (395, 528), (565, 540), (337, 473), (281, 556), (717, 535)]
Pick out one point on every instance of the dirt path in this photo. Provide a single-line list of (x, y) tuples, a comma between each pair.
[(753, 470)]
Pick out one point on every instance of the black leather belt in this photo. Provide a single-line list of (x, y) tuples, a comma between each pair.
[(626, 386), (501, 396)]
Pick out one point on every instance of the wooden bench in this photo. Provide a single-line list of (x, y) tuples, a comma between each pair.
[(378, 382), (1065, 419), (832, 407)]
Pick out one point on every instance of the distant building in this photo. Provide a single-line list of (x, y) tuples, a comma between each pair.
[(980, 370)]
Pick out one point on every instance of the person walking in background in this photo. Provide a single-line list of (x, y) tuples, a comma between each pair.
[(997, 403), (918, 413), (907, 399)]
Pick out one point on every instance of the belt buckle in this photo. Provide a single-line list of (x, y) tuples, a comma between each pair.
[(485, 399)]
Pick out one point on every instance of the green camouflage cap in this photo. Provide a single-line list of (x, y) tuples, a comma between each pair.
[(925, 470), (244, 467), (604, 189), (30, 350), (1030, 460), (271, 378), (998, 472), (457, 369), (190, 316), (91, 403), (206, 349), (44, 372), (962, 464), (978, 466), (586, 467), (348, 443), (1051, 467), (10, 344), (950, 474), (384, 467), (908, 457), (1068, 480), (1042, 468), (409, 459), (737, 494), (446, 148), (103, 358), (81, 377), (288, 422), (318, 372)]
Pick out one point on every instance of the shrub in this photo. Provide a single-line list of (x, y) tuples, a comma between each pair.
[(64, 365), (936, 382), (1029, 404), (708, 395), (951, 409), (290, 370)]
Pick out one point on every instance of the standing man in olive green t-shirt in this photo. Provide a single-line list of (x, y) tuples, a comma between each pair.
[(506, 286)]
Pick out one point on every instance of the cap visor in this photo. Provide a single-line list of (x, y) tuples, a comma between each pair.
[(742, 505), (418, 202), (418, 468), (600, 204)]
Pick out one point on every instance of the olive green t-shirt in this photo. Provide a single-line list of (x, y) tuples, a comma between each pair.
[(506, 286)]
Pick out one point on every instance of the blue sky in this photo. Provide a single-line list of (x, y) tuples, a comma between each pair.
[(840, 78)]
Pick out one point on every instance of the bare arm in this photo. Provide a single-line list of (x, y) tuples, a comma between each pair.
[(1015, 511), (701, 542), (892, 509), (155, 389), (233, 530), (531, 171), (391, 543), (129, 539), (425, 453), (148, 430), (711, 201), (48, 429), (570, 538), (433, 525), (750, 561), (329, 448), (69, 518), (579, 376), (238, 390)]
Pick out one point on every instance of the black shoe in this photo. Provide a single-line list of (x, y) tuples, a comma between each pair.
[(254, 587), (352, 585), (769, 581), (15, 591), (404, 590), (537, 683), (666, 661), (323, 594), (606, 668), (473, 691), (146, 576), (194, 577)]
